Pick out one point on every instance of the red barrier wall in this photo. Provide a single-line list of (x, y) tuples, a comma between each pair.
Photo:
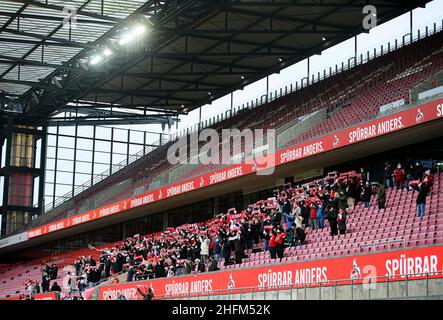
[(393, 263)]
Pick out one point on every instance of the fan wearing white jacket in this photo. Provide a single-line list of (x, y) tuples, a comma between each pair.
[(204, 249)]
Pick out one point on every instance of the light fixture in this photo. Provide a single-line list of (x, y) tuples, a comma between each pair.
[(323, 38), (209, 92), (107, 52), (242, 77), (139, 29), (96, 59), (280, 59)]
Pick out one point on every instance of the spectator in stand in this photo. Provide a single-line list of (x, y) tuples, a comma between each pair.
[(187, 248), (53, 272), (313, 216), (200, 266), (409, 176), (342, 200), (351, 192), (171, 272), (331, 215), (289, 220), (291, 236), (45, 282), (298, 221), (423, 190), (387, 175), (341, 221), (239, 247), (56, 287), (381, 197), (280, 243), (399, 177), (320, 216), (217, 248), (72, 282), (179, 269), (418, 171), (366, 195), (300, 236), (305, 212), (37, 288), (226, 251), (364, 175), (296, 209), (286, 206), (266, 232), (255, 230), (188, 267), (247, 234)]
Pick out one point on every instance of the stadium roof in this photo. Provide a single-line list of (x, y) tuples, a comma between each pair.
[(152, 59)]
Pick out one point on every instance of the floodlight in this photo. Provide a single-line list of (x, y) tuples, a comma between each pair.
[(107, 52), (96, 60)]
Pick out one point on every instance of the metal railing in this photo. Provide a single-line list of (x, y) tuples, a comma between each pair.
[(389, 242), (376, 287)]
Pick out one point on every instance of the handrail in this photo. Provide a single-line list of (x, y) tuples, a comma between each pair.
[(336, 283)]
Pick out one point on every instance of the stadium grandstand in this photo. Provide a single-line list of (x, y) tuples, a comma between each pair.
[(329, 187)]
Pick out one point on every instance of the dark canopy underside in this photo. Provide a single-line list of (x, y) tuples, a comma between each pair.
[(192, 52)]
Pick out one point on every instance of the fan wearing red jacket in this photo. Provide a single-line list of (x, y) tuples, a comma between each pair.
[(280, 243), (399, 176)]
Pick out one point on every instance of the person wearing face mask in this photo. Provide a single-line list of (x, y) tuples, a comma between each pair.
[(366, 195), (399, 177), (387, 175)]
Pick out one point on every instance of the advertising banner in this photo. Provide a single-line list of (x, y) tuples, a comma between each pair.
[(369, 130), (395, 264)]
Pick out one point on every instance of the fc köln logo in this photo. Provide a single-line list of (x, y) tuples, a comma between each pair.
[(254, 165), (202, 182), (160, 195), (356, 272), (336, 141), (231, 283), (420, 116)]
